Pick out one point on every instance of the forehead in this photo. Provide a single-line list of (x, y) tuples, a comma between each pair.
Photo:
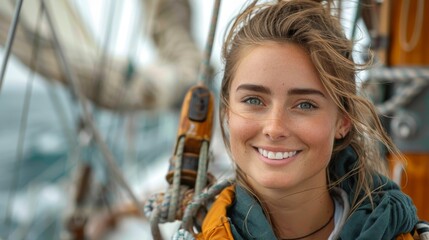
[(277, 65)]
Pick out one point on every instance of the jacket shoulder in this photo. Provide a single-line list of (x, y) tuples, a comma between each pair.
[(216, 223), (405, 236)]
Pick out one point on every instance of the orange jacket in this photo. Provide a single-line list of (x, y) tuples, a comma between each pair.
[(216, 224)]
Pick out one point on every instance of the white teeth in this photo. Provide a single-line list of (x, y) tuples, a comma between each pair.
[(276, 155)]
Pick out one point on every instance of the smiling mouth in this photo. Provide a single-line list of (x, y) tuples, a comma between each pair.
[(276, 155)]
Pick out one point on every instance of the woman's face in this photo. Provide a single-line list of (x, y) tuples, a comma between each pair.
[(282, 122)]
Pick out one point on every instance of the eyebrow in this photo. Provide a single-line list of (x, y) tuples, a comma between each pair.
[(254, 88), (294, 91), (305, 91)]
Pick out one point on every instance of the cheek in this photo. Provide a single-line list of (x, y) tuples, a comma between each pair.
[(319, 134), (240, 131)]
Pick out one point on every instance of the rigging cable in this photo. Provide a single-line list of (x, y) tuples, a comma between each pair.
[(203, 79), (22, 129), (205, 66), (10, 39), (130, 155), (101, 73), (108, 155)]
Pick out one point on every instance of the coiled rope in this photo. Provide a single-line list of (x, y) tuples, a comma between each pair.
[(157, 206), (191, 211), (417, 76)]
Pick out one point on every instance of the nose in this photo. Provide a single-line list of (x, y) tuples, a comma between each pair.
[(276, 127)]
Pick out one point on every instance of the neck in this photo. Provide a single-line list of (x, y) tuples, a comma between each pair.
[(301, 214)]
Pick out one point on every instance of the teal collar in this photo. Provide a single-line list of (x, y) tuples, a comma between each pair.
[(393, 211), (248, 220)]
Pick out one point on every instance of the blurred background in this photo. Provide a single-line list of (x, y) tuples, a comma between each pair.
[(126, 66)]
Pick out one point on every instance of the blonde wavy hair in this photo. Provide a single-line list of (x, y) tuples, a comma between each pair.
[(311, 25)]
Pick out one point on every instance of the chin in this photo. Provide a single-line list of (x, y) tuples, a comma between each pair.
[(273, 182)]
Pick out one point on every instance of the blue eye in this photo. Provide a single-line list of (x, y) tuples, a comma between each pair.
[(306, 106), (253, 101)]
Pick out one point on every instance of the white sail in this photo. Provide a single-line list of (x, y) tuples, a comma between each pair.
[(157, 86)]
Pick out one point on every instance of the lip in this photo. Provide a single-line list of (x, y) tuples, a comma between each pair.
[(276, 162)]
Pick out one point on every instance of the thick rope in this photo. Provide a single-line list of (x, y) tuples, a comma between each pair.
[(418, 76), (154, 220), (399, 74), (185, 232), (194, 206), (157, 206), (202, 168), (182, 234), (177, 160)]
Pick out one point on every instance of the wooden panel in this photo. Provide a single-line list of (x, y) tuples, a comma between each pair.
[(415, 180), (420, 54)]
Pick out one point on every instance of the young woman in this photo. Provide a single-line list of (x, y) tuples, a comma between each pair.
[(305, 144)]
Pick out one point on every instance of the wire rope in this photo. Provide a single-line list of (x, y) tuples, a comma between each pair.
[(22, 129), (9, 41)]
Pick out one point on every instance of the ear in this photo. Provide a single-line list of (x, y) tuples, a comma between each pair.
[(343, 126), (226, 115)]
